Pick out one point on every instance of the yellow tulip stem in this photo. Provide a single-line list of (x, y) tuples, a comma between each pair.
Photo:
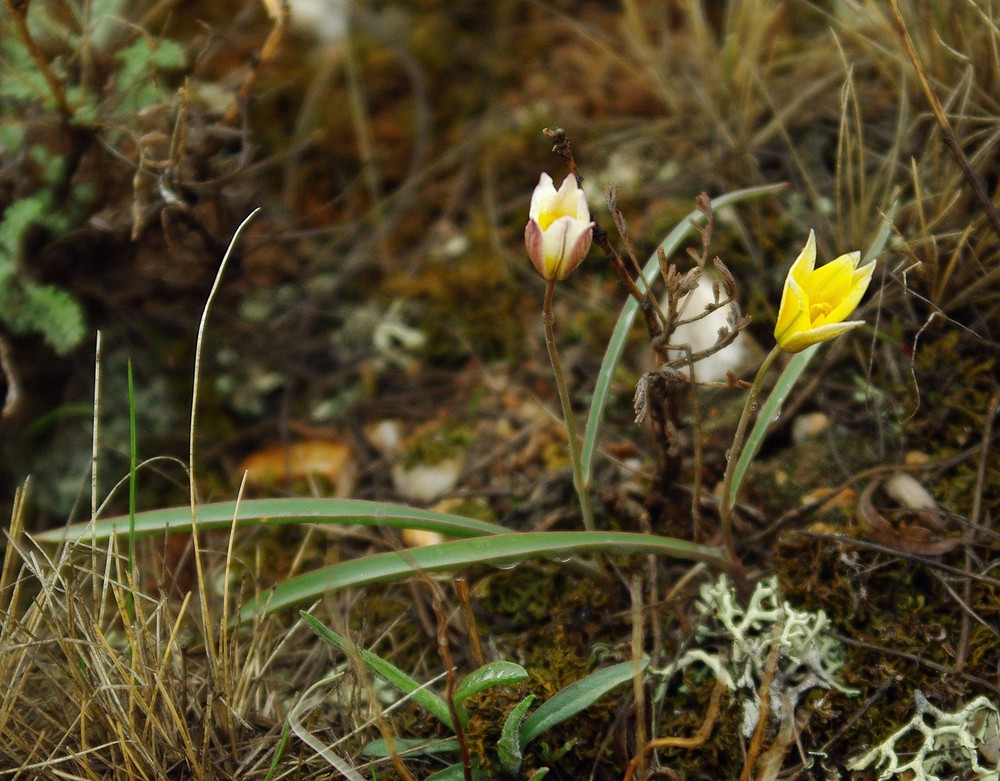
[(574, 445), (726, 502)]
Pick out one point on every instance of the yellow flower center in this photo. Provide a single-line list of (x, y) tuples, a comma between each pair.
[(546, 218), (819, 309)]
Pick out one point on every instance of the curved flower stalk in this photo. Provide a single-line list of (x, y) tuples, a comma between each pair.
[(558, 236), (559, 229), (816, 301)]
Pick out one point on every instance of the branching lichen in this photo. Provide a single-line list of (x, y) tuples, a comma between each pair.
[(967, 741), (734, 644)]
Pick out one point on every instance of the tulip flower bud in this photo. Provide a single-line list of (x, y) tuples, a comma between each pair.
[(559, 231), (816, 301)]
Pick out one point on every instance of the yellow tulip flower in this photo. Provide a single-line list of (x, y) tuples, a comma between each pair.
[(559, 229), (816, 301)]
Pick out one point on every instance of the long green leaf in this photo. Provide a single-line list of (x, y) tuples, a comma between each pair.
[(501, 549), (616, 346), (423, 697), (771, 409), (276, 512), (576, 697), (769, 413)]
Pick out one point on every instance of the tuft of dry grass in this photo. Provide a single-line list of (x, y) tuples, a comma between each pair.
[(112, 681)]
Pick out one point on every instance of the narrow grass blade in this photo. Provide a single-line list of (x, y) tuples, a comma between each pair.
[(276, 512), (771, 409), (501, 549), (132, 446), (576, 697), (616, 346), (423, 697)]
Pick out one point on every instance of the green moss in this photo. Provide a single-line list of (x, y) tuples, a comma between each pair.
[(550, 620), (897, 614), (438, 443), (683, 714)]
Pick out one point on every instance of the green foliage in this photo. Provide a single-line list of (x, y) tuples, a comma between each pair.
[(27, 307), (489, 543), (22, 82), (616, 345), (136, 84), (510, 746), (518, 730)]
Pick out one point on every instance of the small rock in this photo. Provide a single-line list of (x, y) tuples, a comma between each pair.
[(906, 490), (809, 426), (418, 538), (426, 482)]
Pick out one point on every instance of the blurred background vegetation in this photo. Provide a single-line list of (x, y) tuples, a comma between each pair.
[(392, 147)]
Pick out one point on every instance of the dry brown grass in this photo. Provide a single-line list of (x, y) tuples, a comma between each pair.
[(111, 682)]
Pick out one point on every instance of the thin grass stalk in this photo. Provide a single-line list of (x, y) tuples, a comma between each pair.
[(168, 647), (193, 493), (9, 585), (132, 448), (225, 651), (93, 454), (638, 667), (305, 702)]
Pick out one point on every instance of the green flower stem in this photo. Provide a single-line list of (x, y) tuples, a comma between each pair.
[(727, 501), (574, 445)]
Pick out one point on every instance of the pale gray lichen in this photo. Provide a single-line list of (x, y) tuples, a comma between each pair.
[(954, 745), (734, 643)]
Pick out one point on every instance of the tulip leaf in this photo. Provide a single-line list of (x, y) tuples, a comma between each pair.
[(496, 550), (500, 673), (616, 345), (422, 696), (452, 773), (411, 747), (509, 746), (274, 512), (576, 697)]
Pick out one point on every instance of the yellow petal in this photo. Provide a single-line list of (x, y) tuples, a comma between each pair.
[(815, 301), (800, 340)]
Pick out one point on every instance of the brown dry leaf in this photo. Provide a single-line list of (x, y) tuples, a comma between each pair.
[(299, 461), (923, 538), (832, 498)]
